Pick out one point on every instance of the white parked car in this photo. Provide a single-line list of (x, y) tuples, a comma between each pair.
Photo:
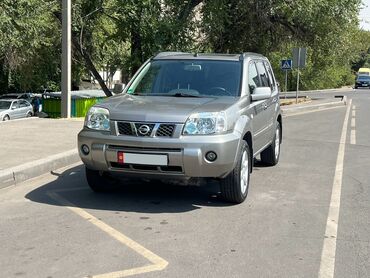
[(14, 109)]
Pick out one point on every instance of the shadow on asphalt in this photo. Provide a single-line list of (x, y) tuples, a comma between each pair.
[(129, 196)]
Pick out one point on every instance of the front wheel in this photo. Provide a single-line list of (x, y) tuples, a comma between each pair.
[(99, 181), (234, 188), (6, 118), (271, 155), (29, 114)]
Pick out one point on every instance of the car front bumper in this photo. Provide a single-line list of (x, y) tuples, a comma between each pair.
[(186, 154), (362, 84)]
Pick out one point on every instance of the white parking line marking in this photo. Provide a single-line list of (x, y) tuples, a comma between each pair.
[(353, 122), (157, 262), (353, 136), (327, 263), (353, 126)]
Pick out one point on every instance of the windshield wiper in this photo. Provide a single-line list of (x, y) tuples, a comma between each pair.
[(177, 94), (184, 94)]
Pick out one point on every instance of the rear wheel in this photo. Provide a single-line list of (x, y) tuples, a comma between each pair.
[(234, 188), (271, 155), (99, 181), (29, 114), (6, 118)]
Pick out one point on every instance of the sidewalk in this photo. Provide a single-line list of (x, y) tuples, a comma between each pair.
[(292, 94), (313, 105), (31, 147)]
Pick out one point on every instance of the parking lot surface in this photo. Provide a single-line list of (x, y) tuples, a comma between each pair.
[(54, 226)]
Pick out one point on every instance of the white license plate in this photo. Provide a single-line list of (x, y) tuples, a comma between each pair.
[(364, 85), (143, 159)]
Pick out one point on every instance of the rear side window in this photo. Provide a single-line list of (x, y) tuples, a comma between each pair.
[(265, 82), (23, 103)]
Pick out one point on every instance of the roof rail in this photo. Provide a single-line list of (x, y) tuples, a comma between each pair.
[(168, 53), (252, 54)]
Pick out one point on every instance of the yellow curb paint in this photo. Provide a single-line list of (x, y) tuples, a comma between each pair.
[(157, 262)]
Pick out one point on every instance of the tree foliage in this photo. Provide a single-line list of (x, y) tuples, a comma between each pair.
[(121, 34)]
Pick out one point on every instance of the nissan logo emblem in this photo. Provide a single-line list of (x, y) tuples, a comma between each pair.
[(144, 129)]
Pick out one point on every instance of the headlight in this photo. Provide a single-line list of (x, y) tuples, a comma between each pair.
[(205, 123), (98, 118)]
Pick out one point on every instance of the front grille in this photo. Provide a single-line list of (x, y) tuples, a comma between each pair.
[(127, 148), (125, 128), (142, 129), (147, 168), (165, 130)]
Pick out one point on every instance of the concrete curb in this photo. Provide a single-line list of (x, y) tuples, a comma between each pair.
[(23, 172), (313, 107), (302, 93)]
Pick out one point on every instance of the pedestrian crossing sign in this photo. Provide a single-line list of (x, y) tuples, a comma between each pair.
[(286, 64)]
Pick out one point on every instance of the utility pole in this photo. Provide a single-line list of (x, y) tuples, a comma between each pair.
[(66, 59)]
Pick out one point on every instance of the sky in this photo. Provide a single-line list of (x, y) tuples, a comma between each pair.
[(365, 15)]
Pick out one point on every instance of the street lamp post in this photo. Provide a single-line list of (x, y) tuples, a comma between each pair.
[(66, 59)]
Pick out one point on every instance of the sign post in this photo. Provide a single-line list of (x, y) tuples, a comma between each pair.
[(299, 61), (285, 66)]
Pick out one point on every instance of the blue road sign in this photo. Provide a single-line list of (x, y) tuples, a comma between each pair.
[(286, 64)]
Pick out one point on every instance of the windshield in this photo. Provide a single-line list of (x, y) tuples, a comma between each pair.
[(189, 78), (5, 104), (367, 78)]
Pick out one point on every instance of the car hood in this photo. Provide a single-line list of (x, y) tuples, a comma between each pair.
[(3, 110), (161, 108)]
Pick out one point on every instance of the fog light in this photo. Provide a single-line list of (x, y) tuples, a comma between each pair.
[(211, 156), (85, 149)]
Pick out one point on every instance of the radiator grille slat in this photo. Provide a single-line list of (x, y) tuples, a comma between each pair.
[(142, 129)]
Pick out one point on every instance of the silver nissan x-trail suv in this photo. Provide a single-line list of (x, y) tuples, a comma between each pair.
[(185, 116)]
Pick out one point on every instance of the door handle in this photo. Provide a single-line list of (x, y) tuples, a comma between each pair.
[(265, 106)]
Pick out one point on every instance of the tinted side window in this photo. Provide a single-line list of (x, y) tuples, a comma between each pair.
[(253, 79), (263, 74), (23, 103)]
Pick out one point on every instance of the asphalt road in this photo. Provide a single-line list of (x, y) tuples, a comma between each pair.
[(54, 226)]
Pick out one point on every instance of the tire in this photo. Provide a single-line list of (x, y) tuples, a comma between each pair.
[(6, 118), (99, 181), (271, 155), (29, 114), (234, 187)]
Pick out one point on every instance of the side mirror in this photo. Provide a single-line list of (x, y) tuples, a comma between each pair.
[(261, 93), (118, 88), (13, 107)]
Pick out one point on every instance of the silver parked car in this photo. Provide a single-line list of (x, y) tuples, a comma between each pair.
[(186, 115), (14, 109)]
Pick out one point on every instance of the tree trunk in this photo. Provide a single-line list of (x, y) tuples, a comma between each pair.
[(87, 58), (136, 47)]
